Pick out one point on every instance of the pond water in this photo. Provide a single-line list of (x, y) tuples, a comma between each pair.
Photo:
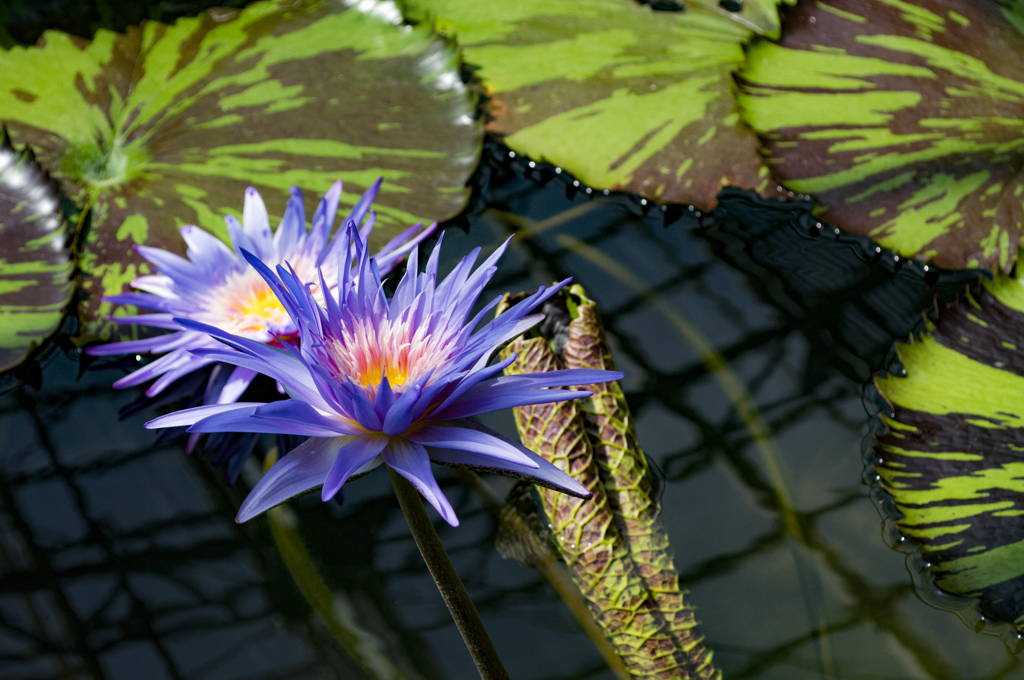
[(120, 559)]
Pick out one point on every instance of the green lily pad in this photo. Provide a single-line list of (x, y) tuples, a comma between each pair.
[(904, 119), (953, 457), (35, 266), (168, 124), (623, 97)]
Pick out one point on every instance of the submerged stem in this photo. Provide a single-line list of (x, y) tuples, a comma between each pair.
[(488, 663)]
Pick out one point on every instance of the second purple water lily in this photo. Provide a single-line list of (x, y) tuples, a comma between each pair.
[(395, 381)]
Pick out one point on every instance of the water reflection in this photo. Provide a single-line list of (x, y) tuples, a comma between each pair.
[(120, 558)]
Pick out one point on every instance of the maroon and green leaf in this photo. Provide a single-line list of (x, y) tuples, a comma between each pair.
[(168, 124), (622, 96), (35, 265), (904, 119), (952, 456)]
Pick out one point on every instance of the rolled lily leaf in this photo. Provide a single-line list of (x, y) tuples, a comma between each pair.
[(622, 96), (623, 468), (952, 457), (168, 124), (640, 608), (902, 119), (586, 534), (35, 265)]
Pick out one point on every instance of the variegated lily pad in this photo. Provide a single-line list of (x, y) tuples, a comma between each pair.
[(903, 118), (953, 457), (34, 263), (168, 124), (622, 96)]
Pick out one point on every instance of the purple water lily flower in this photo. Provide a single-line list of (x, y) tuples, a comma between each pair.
[(396, 381), (216, 286)]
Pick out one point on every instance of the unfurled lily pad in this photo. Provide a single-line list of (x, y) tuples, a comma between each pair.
[(167, 125), (953, 457), (620, 95), (904, 119), (34, 263)]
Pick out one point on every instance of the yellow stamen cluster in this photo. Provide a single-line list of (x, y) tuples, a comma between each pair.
[(245, 305)]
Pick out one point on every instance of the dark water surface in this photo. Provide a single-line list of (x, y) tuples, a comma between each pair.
[(120, 559)]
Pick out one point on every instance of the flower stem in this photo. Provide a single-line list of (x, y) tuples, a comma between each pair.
[(488, 663)]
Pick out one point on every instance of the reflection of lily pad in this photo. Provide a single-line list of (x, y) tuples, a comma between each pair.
[(953, 457), (34, 264), (903, 119), (621, 96), (167, 125)]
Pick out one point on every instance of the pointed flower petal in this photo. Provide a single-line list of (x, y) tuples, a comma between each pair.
[(299, 471), (412, 462), (352, 456), (474, 441)]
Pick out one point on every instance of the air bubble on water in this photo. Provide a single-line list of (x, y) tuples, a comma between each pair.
[(138, 357), (589, 190), (575, 182), (606, 192), (837, 232), (511, 154), (877, 249), (895, 258), (643, 201), (558, 171), (532, 164), (690, 208)]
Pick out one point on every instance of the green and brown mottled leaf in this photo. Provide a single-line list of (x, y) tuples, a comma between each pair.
[(35, 265), (625, 473), (585, 531), (953, 456), (622, 96), (168, 124), (616, 551), (903, 118)]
